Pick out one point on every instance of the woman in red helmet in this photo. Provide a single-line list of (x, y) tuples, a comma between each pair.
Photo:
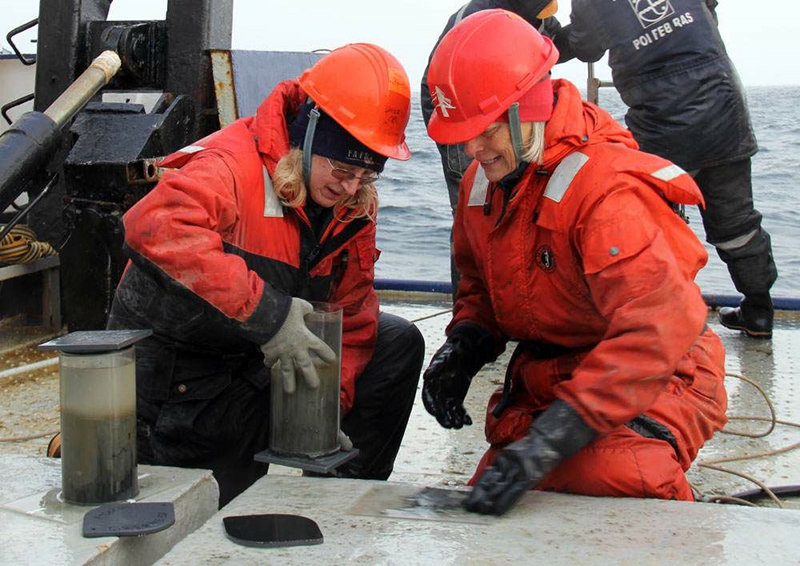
[(567, 243), (255, 220)]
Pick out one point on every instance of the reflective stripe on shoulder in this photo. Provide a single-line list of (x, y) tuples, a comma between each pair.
[(460, 14), (191, 149), (564, 174), (477, 195), (272, 206), (669, 173)]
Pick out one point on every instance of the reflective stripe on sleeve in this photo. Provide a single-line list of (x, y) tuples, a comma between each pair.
[(736, 242)]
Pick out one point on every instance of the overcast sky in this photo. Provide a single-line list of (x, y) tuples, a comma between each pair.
[(761, 37)]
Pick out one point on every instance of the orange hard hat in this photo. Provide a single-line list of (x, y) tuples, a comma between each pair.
[(365, 89), (480, 68)]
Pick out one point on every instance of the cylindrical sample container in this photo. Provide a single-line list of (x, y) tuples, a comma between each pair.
[(306, 423), (98, 426)]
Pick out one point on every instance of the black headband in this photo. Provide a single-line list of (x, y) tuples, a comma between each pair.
[(332, 140)]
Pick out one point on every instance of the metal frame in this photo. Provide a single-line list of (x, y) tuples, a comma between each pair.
[(51, 286), (593, 85)]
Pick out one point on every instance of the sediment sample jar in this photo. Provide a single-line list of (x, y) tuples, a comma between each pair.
[(98, 426), (306, 423)]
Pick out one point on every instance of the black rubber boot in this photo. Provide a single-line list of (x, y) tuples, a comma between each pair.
[(753, 316)]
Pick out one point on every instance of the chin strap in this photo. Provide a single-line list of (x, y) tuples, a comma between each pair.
[(515, 126), (307, 142)]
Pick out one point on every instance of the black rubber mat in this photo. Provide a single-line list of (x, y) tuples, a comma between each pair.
[(128, 519), (272, 531)]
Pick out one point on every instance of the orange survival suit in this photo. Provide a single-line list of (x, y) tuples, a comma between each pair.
[(237, 256), (216, 261), (585, 263)]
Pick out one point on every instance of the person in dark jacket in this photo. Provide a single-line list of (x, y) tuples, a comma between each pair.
[(454, 161), (244, 229), (686, 104)]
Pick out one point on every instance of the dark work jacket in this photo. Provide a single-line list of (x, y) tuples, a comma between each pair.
[(525, 8), (670, 67)]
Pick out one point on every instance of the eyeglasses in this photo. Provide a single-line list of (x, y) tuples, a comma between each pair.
[(343, 174)]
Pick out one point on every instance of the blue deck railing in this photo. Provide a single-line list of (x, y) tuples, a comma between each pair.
[(444, 287)]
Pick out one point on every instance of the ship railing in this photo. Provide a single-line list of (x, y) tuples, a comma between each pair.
[(593, 85)]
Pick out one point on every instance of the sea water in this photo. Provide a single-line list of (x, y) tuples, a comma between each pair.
[(414, 218)]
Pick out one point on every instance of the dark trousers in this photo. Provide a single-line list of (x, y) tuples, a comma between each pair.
[(454, 163), (733, 227), (384, 396), (217, 413)]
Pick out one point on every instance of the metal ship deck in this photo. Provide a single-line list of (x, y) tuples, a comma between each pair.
[(368, 523)]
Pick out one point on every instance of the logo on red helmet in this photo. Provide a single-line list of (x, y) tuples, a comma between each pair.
[(442, 102)]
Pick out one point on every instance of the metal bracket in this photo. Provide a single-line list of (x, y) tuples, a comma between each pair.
[(18, 30)]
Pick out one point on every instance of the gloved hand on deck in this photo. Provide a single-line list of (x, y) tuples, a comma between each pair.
[(344, 441), (294, 345), (555, 436), (446, 381)]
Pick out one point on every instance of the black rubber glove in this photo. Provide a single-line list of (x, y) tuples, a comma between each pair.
[(560, 37), (556, 435), (446, 381)]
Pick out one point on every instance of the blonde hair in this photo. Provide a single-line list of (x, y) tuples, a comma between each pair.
[(291, 189), (535, 151)]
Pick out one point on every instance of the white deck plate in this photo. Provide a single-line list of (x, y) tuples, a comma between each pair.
[(38, 528), (560, 529)]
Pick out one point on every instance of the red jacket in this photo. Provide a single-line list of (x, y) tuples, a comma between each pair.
[(587, 255), (215, 237)]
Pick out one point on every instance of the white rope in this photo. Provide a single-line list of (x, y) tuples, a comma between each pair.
[(28, 367)]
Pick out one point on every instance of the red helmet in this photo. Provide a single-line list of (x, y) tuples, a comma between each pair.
[(365, 89), (480, 68)]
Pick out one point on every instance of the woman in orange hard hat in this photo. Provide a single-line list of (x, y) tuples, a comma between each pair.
[(567, 243), (255, 221)]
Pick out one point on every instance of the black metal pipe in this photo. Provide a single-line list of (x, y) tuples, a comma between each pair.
[(25, 149)]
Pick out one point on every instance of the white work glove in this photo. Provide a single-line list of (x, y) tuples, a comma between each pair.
[(344, 441), (293, 345)]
